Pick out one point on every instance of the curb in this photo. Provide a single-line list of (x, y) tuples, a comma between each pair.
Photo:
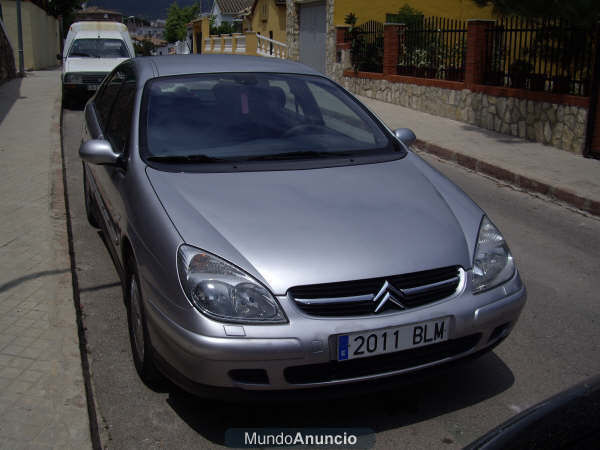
[(93, 424), (585, 204)]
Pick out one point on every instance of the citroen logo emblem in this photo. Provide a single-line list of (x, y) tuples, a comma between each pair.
[(388, 293)]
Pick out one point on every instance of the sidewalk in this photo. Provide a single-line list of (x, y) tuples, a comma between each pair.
[(529, 165), (42, 396)]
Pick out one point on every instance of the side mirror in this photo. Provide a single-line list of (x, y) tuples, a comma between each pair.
[(405, 135), (59, 56), (98, 151)]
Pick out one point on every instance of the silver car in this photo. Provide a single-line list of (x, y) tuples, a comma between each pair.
[(272, 234)]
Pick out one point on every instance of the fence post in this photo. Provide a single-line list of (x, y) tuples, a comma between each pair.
[(476, 45), (391, 47), (340, 33)]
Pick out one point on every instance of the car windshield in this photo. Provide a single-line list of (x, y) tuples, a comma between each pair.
[(255, 116), (99, 48)]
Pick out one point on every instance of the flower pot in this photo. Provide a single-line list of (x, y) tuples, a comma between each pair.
[(431, 72), (426, 72), (407, 70), (586, 88), (537, 82), (495, 78), (454, 74), (518, 80), (560, 85)]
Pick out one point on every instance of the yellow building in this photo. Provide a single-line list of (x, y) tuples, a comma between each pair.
[(264, 32), (366, 10), (41, 34), (267, 17)]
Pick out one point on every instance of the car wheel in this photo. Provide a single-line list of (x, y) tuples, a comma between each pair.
[(90, 205), (141, 348), (67, 100)]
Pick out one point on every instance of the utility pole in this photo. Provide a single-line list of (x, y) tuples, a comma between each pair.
[(20, 34)]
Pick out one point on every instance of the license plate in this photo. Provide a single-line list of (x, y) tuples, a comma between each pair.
[(92, 87), (389, 340)]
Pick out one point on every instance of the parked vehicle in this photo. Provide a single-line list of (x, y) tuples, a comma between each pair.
[(570, 419), (272, 234), (92, 50)]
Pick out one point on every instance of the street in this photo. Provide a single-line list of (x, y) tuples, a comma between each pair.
[(554, 345)]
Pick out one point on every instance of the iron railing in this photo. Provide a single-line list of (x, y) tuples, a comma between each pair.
[(539, 55), (367, 46), (434, 47)]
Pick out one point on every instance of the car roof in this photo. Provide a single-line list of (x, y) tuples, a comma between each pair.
[(162, 66)]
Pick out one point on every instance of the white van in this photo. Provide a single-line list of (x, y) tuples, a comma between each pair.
[(92, 50)]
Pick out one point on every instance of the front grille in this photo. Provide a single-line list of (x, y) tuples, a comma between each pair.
[(93, 78), (335, 370), (355, 298)]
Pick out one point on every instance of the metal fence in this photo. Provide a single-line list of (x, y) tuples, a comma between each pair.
[(367, 46), (434, 47), (540, 55)]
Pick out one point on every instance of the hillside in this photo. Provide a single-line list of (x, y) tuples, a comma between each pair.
[(149, 9)]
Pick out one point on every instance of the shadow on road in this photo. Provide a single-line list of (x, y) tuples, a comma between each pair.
[(456, 389), (502, 138), (10, 92)]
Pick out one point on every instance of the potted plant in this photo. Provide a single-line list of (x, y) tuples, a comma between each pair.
[(454, 74), (561, 84), (519, 71), (537, 82)]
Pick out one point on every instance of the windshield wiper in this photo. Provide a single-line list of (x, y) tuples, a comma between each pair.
[(85, 55), (297, 155), (185, 159)]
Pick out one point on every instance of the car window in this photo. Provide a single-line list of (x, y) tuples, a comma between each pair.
[(255, 115), (98, 48), (119, 122), (107, 95), (338, 116)]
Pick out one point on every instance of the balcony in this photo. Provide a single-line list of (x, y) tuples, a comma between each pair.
[(248, 43)]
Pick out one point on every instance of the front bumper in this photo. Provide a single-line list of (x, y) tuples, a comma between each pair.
[(302, 353), (86, 83)]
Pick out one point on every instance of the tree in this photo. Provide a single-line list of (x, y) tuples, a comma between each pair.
[(66, 9), (580, 13), (143, 48), (177, 19)]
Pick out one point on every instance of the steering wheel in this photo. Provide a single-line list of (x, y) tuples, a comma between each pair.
[(303, 128)]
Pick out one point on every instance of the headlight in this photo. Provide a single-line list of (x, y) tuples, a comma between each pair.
[(224, 292), (73, 78), (493, 264)]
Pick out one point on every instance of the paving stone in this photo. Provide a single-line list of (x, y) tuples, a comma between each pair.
[(42, 396)]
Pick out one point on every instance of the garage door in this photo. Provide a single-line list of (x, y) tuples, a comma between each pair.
[(312, 35)]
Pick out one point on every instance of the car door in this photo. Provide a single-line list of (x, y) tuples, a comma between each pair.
[(114, 112)]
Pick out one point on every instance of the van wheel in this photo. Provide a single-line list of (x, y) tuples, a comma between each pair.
[(141, 348), (90, 205), (67, 100)]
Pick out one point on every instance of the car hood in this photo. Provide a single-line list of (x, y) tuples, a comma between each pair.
[(291, 228), (74, 64)]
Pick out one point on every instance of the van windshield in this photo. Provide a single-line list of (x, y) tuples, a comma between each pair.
[(99, 48)]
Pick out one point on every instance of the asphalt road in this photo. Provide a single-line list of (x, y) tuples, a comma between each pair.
[(555, 344)]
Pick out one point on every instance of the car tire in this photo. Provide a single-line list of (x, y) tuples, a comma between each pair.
[(90, 205), (67, 100), (141, 348)]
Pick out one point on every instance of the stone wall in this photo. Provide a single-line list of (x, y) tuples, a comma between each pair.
[(562, 126), (330, 45), (7, 58), (292, 24)]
